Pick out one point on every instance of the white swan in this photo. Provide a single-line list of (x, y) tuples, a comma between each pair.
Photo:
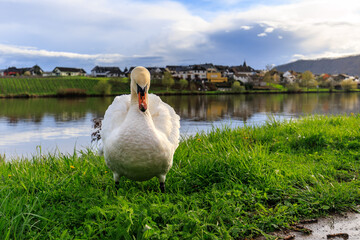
[(140, 133)]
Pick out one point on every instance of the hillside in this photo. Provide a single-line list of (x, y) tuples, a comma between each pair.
[(349, 65)]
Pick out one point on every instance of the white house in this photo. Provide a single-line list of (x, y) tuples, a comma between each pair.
[(289, 77), (65, 71), (107, 72), (190, 73), (242, 77)]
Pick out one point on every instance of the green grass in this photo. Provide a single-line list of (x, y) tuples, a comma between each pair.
[(227, 184), (277, 86)]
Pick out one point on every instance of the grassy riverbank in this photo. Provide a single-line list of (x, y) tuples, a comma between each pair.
[(90, 86), (224, 184)]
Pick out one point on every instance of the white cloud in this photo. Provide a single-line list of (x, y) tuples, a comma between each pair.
[(31, 51), (262, 35), (245, 27), (269, 29)]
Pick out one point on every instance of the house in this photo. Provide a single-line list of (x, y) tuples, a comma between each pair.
[(33, 71), (198, 72), (225, 71), (214, 76), (241, 73), (289, 77), (190, 73), (48, 74), (30, 71), (65, 71), (181, 72), (99, 71), (340, 77), (243, 69), (156, 72), (243, 78), (12, 71)]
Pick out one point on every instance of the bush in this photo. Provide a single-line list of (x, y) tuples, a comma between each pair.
[(193, 86), (249, 86), (307, 79), (102, 87), (236, 87), (312, 84), (348, 84), (183, 84), (119, 84), (293, 87), (168, 80)]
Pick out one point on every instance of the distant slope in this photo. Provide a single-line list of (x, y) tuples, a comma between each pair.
[(349, 65)]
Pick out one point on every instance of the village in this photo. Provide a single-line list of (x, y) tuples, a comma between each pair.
[(207, 76)]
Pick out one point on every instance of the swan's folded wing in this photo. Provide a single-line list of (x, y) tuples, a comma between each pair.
[(165, 119), (115, 115)]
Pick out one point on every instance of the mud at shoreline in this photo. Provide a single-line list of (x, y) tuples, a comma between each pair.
[(335, 227)]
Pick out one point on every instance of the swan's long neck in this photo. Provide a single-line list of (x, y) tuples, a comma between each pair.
[(134, 98)]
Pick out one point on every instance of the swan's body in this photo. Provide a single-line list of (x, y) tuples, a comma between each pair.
[(140, 135)]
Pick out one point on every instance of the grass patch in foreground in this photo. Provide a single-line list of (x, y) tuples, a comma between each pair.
[(224, 184)]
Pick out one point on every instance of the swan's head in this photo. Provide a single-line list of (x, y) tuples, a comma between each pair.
[(140, 83)]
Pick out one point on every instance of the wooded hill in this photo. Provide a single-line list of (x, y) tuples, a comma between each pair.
[(349, 65)]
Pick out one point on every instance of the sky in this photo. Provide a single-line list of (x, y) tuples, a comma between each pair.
[(125, 33)]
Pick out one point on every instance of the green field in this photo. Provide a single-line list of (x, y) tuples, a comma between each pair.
[(226, 184), (40, 86)]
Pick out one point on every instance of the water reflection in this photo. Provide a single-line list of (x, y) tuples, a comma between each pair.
[(63, 110), (243, 107), (63, 123)]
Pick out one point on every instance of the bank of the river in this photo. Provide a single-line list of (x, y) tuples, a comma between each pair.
[(224, 184), (25, 87)]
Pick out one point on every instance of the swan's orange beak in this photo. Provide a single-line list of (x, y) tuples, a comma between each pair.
[(142, 98), (142, 102)]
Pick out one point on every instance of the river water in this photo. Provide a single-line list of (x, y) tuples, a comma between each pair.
[(41, 125)]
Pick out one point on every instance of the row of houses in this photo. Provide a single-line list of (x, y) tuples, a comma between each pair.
[(37, 71), (212, 73), (290, 77), (199, 72)]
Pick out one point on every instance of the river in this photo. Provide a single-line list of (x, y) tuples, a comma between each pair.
[(41, 125)]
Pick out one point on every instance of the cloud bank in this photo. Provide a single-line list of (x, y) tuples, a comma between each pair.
[(123, 33)]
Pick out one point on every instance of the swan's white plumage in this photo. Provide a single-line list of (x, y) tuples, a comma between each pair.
[(140, 145)]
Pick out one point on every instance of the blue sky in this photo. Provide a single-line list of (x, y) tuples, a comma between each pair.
[(124, 33)]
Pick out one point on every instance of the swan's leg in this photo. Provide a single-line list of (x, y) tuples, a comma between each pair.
[(162, 187), (162, 182), (116, 178)]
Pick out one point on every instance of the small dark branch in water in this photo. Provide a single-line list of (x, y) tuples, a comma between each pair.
[(300, 228), (97, 123), (337, 235), (306, 221)]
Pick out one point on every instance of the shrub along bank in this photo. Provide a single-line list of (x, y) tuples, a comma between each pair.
[(228, 183)]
